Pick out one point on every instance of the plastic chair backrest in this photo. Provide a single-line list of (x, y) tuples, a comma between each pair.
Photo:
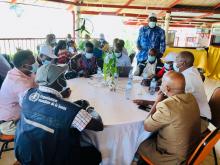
[(204, 148), (146, 160), (214, 104)]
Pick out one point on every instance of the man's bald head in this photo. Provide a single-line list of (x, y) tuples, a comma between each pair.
[(173, 83)]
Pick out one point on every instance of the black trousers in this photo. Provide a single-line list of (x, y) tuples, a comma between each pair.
[(90, 156)]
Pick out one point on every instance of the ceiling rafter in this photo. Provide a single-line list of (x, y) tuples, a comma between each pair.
[(126, 4), (191, 19), (192, 9), (174, 3), (217, 6)]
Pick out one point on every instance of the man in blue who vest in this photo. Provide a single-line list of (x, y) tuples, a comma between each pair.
[(49, 130), (150, 36)]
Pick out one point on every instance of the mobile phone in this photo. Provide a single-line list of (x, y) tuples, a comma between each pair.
[(145, 108)]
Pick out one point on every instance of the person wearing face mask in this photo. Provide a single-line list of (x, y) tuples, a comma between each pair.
[(168, 64), (122, 60), (102, 41), (50, 127), (149, 67), (17, 81), (46, 55), (175, 120), (150, 36), (51, 40), (97, 51), (194, 84), (87, 64), (70, 45)]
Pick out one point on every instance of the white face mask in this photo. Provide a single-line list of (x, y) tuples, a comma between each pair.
[(71, 50), (152, 24), (117, 55), (167, 66), (89, 55), (175, 67)]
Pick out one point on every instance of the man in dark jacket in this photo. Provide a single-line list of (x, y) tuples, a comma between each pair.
[(50, 127)]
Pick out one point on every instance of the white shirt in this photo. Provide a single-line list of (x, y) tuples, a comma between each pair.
[(124, 60), (194, 85), (150, 69)]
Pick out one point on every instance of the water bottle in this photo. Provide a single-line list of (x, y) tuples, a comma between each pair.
[(99, 74), (128, 90), (145, 76), (153, 85), (144, 81), (130, 76)]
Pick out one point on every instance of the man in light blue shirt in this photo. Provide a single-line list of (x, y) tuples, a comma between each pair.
[(150, 36)]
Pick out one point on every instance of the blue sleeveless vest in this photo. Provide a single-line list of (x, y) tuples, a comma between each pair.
[(43, 135)]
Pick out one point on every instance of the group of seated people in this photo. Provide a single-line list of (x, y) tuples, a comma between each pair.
[(82, 63), (179, 115), (48, 128)]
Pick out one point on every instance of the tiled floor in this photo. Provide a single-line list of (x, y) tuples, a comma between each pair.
[(8, 157)]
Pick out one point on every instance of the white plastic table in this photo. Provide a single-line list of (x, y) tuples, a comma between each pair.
[(123, 121)]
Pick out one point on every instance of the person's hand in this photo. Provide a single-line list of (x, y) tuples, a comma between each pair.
[(82, 103), (66, 93), (86, 74), (151, 77), (140, 102), (160, 96), (94, 114)]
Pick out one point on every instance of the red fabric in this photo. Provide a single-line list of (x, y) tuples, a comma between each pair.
[(161, 72)]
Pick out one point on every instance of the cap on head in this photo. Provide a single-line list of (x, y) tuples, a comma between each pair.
[(170, 57), (47, 51), (152, 15), (48, 74)]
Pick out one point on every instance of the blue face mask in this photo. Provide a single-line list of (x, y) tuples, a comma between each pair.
[(151, 58), (152, 24), (46, 62), (118, 55), (34, 68)]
